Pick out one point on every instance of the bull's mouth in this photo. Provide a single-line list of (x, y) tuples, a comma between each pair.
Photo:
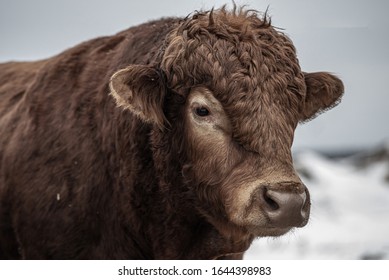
[(241, 233), (268, 231)]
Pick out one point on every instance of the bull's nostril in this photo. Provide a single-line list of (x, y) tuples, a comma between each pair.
[(270, 203)]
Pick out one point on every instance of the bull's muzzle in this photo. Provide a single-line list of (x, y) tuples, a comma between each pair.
[(285, 204)]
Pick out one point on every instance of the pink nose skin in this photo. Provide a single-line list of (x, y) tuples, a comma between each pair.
[(285, 208)]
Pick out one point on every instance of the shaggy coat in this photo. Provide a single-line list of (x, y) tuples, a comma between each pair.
[(169, 140)]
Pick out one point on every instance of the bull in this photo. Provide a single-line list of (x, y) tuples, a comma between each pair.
[(169, 140)]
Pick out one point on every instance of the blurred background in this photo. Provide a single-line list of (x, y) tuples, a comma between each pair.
[(342, 156)]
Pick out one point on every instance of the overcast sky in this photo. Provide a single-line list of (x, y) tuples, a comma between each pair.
[(347, 37)]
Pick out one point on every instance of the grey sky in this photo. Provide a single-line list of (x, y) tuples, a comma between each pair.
[(347, 37)]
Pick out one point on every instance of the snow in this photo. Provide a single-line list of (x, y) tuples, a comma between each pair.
[(349, 213)]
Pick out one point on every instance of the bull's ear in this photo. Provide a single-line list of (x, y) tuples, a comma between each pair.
[(324, 92), (141, 90)]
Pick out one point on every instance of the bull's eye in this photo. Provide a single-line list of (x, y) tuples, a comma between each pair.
[(202, 111)]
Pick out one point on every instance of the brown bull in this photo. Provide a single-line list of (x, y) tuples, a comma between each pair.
[(170, 140)]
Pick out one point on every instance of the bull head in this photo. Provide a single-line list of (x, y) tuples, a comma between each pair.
[(244, 95)]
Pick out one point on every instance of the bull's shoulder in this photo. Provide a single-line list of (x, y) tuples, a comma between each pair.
[(15, 78), (129, 46), (18, 72), (82, 71)]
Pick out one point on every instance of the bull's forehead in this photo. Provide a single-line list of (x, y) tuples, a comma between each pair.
[(262, 95), (251, 69), (223, 47), (264, 105)]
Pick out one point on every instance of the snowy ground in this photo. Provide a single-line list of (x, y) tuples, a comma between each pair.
[(349, 214)]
